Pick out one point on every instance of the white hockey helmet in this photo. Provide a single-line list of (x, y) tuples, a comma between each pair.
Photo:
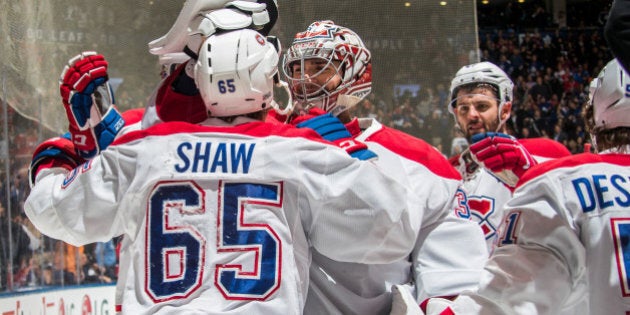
[(482, 73), (235, 71), (328, 41), (610, 97)]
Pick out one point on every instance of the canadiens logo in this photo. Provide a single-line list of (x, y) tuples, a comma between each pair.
[(317, 30), (72, 175)]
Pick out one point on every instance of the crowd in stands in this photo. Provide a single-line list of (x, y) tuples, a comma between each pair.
[(551, 68), (550, 64)]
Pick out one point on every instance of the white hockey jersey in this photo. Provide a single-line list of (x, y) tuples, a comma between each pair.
[(486, 194), (219, 220), (449, 254), (566, 231)]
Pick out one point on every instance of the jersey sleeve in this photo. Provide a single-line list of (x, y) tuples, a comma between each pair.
[(450, 251), (81, 206), (359, 214), (539, 258), (449, 257)]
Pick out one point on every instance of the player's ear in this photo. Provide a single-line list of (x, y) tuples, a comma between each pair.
[(506, 110)]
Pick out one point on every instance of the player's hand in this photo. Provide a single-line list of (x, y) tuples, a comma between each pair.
[(503, 155), (54, 152), (333, 130), (88, 100)]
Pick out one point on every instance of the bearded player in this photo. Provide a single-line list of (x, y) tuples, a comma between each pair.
[(481, 103), (566, 228)]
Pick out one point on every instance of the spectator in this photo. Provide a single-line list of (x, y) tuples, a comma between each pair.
[(19, 191), (540, 89), (105, 254), (64, 270), (17, 261), (559, 134), (91, 271)]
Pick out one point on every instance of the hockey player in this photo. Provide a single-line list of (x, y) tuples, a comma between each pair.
[(567, 225), (481, 95), (84, 81), (328, 70), (177, 97), (218, 217)]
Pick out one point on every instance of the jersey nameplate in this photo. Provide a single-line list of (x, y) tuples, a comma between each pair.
[(214, 157), (601, 191)]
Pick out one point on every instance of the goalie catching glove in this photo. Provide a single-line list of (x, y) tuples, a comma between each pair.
[(53, 153), (503, 155), (333, 130), (88, 100)]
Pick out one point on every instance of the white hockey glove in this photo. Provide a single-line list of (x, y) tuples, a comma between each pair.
[(201, 18)]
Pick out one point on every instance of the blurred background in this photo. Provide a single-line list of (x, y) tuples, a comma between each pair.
[(551, 49)]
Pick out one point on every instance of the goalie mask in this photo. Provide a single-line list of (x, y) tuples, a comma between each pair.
[(479, 74), (235, 71), (339, 53)]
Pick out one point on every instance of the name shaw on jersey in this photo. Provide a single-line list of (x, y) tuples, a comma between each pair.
[(601, 191), (214, 157)]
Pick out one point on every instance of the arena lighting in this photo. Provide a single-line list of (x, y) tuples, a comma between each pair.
[(486, 1), (443, 3), (407, 4)]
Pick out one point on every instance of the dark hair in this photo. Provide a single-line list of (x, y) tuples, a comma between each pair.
[(605, 138)]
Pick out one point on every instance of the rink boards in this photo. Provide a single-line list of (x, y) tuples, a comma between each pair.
[(83, 300)]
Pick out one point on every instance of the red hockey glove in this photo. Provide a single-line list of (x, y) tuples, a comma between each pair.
[(54, 152), (88, 100), (503, 155)]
